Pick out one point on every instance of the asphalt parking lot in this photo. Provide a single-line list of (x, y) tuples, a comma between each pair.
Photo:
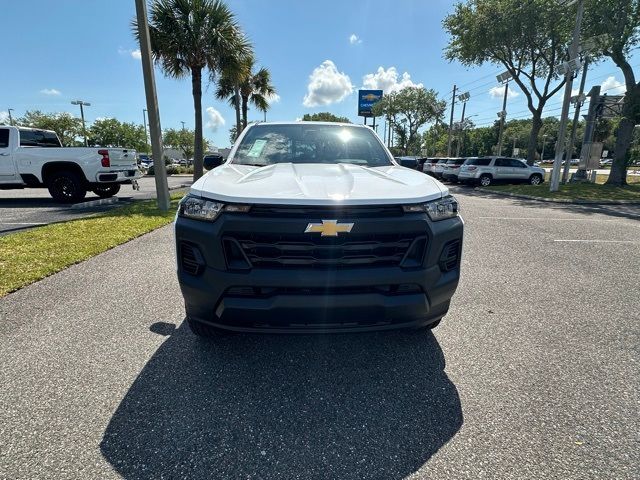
[(31, 207), (533, 374)]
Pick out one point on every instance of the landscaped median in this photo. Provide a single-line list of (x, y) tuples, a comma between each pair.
[(575, 192), (31, 255)]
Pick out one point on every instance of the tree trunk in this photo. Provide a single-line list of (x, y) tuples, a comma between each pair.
[(630, 114), (196, 88), (245, 109), (238, 118), (532, 149)]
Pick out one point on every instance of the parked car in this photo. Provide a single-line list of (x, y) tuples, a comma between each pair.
[(487, 170), (451, 169), (410, 162), (438, 167), (427, 166), (311, 227), (35, 158), (606, 162)]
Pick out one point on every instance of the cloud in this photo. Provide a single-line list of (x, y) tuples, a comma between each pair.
[(498, 92), (275, 98), (215, 119), (327, 85), (50, 91), (354, 39), (130, 52), (387, 80), (611, 86)]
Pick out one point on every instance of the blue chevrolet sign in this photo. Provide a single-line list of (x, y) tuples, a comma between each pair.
[(366, 100)]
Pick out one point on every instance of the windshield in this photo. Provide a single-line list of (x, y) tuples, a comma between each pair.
[(310, 143)]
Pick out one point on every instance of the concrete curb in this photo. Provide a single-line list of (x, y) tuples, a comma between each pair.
[(560, 200), (95, 203), (178, 187)]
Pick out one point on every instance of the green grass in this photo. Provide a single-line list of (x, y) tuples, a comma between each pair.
[(31, 255), (576, 191)]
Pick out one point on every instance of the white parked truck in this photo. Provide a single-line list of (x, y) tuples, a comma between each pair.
[(34, 158)]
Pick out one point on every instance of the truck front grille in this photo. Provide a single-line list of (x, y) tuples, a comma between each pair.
[(296, 250)]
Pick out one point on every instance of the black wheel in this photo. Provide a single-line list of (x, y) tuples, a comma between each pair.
[(66, 187), (485, 180), (535, 179), (203, 330), (106, 191)]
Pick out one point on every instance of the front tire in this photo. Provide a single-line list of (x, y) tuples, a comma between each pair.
[(106, 191), (485, 180), (66, 187), (535, 179)]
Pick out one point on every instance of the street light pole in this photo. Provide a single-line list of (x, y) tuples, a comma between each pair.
[(182, 124), (576, 117), (10, 118), (162, 188), (573, 52), (544, 140), (513, 149), (84, 129), (503, 115)]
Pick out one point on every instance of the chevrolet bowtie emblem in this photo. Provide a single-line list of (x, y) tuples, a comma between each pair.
[(329, 228)]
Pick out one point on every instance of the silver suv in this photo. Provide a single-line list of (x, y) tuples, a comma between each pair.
[(487, 170)]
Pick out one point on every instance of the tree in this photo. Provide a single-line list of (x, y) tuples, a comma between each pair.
[(527, 38), (410, 109), (110, 132), (187, 37), (241, 86), (183, 140), (618, 21), (324, 117), (64, 124)]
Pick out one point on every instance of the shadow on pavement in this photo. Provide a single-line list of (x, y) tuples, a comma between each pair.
[(340, 406)]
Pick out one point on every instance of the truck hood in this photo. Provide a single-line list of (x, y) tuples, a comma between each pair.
[(317, 184)]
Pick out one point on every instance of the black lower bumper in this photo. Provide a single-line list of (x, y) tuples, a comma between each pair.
[(322, 300)]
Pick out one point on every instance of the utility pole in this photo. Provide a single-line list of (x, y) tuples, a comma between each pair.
[(144, 121), (579, 100), (162, 188), (544, 141), (82, 104), (504, 78), (10, 118), (453, 105), (513, 149), (568, 76), (463, 98)]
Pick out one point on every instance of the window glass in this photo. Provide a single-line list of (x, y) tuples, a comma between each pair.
[(4, 137), (50, 139), (502, 162), (516, 163), (310, 143), (480, 162)]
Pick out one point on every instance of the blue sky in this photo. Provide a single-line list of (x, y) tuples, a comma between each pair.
[(317, 51)]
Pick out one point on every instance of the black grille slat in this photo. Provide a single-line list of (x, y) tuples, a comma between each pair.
[(450, 256), (190, 258), (291, 250)]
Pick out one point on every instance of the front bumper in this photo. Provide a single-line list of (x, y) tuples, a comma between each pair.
[(303, 299)]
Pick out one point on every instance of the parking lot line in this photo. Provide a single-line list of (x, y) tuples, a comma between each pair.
[(581, 219), (598, 241)]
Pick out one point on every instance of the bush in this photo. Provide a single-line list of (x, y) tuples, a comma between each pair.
[(172, 170)]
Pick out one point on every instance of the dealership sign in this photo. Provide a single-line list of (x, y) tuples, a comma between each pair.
[(366, 100)]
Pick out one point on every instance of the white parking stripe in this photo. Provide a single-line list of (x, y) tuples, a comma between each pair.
[(580, 219), (599, 241)]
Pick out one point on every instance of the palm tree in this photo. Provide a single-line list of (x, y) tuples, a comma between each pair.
[(242, 86), (189, 36)]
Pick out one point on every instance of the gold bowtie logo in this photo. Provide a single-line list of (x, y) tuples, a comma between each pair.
[(329, 228)]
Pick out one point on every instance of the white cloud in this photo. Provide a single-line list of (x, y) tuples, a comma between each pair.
[(215, 119), (354, 39), (498, 92), (50, 91), (387, 80), (4, 117), (611, 86), (275, 98), (327, 85), (130, 52)]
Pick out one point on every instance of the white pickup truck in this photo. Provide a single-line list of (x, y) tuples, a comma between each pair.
[(35, 158)]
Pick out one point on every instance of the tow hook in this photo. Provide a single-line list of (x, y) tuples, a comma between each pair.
[(134, 184)]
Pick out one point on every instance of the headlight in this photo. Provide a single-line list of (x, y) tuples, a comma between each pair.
[(199, 208), (440, 209), (208, 210)]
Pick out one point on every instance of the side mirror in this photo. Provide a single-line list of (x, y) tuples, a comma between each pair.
[(409, 163), (212, 161)]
